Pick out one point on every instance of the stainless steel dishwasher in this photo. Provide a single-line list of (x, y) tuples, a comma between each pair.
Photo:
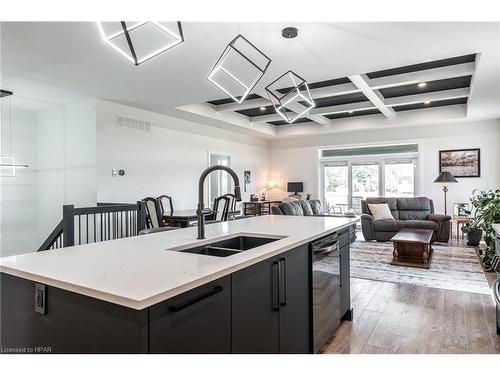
[(326, 289)]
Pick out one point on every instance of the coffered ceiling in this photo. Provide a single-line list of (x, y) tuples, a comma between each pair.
[(361, 75)]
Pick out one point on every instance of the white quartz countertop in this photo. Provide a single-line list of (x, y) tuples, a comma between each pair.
[(496, 228), (140, 271)]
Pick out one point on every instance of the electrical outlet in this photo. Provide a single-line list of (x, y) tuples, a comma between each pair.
[(40, 299), (114, 172)]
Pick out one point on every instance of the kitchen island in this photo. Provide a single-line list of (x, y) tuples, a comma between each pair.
[(146, 294)]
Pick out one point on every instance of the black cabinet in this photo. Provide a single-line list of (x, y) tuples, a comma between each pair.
[(271, 305), (255, 308), (70, 322), (295, 305), (198, 321)]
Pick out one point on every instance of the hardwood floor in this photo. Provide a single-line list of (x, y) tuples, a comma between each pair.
[(409, 319)]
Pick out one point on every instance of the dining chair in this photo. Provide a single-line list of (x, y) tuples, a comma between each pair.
[(153, 213), (220, 209), (232, 201), (165, 203)]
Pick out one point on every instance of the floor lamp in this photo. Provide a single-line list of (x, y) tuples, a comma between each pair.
[(445, 178)]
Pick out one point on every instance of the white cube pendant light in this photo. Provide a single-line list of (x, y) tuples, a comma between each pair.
[(239, 68), (139, 42)]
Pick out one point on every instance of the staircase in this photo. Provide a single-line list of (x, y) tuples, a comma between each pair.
[(95, 224)]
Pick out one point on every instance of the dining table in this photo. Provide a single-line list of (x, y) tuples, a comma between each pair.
[(182, 218)]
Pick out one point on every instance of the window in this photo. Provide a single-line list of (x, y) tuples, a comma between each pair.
[(399, 178), (349, 176)]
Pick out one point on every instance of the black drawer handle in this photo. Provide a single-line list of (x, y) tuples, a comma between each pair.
[(283, 281), (275, 286), (196, 299)]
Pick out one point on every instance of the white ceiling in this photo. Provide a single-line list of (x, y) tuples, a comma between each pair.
[(61, 61)]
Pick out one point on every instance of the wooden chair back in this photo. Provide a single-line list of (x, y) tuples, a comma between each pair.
[(165, 202), (153, 213)]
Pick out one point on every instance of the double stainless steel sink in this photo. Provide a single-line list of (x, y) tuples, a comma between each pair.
[(230, 246)]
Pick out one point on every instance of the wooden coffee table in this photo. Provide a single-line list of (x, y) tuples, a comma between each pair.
[(412, 248)]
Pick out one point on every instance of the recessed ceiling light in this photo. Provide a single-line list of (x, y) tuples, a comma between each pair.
[(422, 84), (262, 109), (427, 102)]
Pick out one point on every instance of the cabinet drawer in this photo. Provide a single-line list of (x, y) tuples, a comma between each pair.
[(198, 321)]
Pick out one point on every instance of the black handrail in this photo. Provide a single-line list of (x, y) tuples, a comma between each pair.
[(54, 240)]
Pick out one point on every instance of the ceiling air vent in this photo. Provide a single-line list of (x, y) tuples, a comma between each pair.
[(130, 123)]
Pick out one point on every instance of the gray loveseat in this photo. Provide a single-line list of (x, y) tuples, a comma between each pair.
[(415, 212)]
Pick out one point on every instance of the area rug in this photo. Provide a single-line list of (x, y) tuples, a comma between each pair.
[(454, 268)]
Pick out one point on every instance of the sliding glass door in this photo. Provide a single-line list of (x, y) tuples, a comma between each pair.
[(346, 181), (336, 187), (365, 183)]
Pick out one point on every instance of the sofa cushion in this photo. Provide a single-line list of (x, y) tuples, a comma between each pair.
[(414, 208), (306, 208), (380, 211), (422, 224), (291, 208), (316, 207), (391, 202), (389, 225)]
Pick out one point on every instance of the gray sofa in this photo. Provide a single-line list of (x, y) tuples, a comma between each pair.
[(415, 212), (311, 207)]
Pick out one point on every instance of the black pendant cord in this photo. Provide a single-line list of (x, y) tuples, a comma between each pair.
[(129, 41)]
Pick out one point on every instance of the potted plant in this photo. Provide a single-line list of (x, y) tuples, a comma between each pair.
[(474, 233), (486, 208)]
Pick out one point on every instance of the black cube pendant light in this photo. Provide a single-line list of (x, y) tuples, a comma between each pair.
[(290, 90)]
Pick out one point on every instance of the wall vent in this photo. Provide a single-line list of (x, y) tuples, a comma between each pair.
[(130, 123)]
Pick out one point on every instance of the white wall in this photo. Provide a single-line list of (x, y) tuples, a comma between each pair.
[(297, 158), (59, 145), (18, 202), (50, 187), (167, 160), (66, 158), (80, 153)]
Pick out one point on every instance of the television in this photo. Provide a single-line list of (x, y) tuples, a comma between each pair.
[(295, 187)]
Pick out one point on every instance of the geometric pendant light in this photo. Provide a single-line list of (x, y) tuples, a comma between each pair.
[(139, 42), (8, 163), (239, 69), (290, 96)]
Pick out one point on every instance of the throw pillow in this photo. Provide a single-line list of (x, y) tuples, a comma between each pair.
[(380, 211), (306, 208)]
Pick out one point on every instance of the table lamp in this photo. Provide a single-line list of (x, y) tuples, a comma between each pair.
[(445, 178), (270, 185)]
